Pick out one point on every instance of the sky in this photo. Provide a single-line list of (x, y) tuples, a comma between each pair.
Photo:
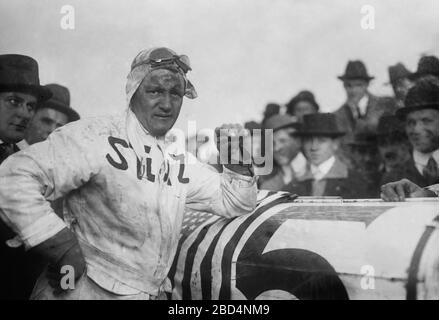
[(244, 54)]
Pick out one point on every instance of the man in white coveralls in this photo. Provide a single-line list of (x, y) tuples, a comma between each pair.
[(125, 190)]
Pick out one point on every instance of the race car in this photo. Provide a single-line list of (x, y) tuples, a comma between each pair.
[(311, 248)]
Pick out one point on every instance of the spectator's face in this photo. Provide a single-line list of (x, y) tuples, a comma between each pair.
[(422, 128), (365, 158), (401, 87), (43, 123), (285, 146), (16, 109), (157, 101), (302, 108), (394, 154), (319, 149), (355, 89)]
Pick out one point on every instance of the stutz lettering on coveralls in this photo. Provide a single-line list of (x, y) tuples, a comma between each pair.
[(123, 164), (180, 158), (141, 167), (144, 166)]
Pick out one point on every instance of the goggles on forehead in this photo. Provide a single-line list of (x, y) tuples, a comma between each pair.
[(165, 58)]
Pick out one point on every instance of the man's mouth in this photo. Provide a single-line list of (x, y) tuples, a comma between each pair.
[(162, 116), (20, 127)]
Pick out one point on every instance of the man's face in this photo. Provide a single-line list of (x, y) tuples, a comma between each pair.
[(401, 87), (422, 128), (285, 146), (16, 109), (318, 149), (43, 123), (157, 101), (365, 158), (394, 154), (355, 89), (302, 108)]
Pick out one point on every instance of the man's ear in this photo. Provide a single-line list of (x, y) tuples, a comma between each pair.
[(336, 144)]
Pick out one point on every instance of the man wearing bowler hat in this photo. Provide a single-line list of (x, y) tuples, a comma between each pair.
[(51, 114), (399, 79), (326, 175), (20, 92), (421, 116), (125, 187), (362, 110)]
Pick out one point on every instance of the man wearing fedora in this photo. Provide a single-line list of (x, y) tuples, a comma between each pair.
[(289, 162), (125, 187), (399, 79), (421, 117), (326, 175), (366, 161), (20, 92), (393, 146), (302, 103), (362, 110), (428, 69), (51, 114)]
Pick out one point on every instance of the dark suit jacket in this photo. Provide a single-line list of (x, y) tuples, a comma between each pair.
[(340, 181), (376, 108), (409, 172)]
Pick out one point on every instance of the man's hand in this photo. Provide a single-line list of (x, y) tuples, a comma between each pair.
[(61, 250), (234, 145), (399, 190)]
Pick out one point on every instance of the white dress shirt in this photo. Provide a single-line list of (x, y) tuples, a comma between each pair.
[(421, 159), (362, 104), (22, 144), (320, 171)]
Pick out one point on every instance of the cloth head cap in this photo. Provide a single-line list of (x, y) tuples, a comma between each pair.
[(158, 58)]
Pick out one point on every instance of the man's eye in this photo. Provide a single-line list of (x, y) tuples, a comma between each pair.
[(13, 101), (177, 94), (427, 120), (154, 92)]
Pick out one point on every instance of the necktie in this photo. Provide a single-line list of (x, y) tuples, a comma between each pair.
[(431, 171)]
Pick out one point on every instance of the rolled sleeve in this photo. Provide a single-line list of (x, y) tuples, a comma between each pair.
[(41, 173), (41, 230), (228, 194)]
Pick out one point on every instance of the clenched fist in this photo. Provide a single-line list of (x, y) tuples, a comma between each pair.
[(234, 146)]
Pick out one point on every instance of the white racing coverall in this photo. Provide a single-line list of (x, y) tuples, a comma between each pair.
[(126, 212)]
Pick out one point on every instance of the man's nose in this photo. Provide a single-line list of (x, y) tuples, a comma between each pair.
[(415, 129), (314, 144), (166, 103), (24, 113)]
